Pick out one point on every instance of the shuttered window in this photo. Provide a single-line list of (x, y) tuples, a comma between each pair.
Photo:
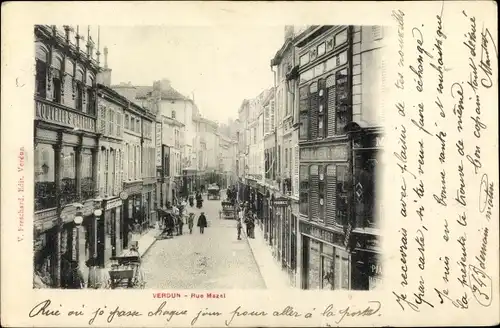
[(365, 164), (331, 195), (322, 105), (313, 193), (304, 112), (296, 172), (330, 104), (321, 194), (313, 103), (341, 98), (304, 190), (341, 205)]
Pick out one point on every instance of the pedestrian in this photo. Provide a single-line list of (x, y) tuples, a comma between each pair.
[(251, 227), (77, 281), (202, 222), (180, 223), (191, 222), (238, 227)]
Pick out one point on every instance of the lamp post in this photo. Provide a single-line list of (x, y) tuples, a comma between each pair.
[(97, 215), (78, 220)]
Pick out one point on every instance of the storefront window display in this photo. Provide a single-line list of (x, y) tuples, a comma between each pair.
[(86, 169), (68, 175), (314, 265), (45, 185)]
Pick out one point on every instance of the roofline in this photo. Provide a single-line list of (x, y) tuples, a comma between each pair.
[(126, 103), (279, 54)]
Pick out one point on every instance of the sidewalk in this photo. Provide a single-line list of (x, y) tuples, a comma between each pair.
[(146, 240), (273, 276)]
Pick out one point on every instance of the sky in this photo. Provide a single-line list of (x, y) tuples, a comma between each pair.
[(222, 66)]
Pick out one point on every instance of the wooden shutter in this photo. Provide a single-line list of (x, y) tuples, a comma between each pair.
[(314, 104), (323, 103), (330, 105), (296, 172), (313, 193), (331, 195), (117, 171)]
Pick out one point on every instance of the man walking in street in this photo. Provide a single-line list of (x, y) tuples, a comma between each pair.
[(191, 222), (202, 222)]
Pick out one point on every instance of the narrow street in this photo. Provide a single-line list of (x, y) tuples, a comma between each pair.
[(214, 260)]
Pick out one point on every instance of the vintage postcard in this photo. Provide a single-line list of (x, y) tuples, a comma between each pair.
[(249, 164)]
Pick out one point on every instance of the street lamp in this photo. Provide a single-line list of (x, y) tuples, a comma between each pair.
[(76, 232), (97, 207)]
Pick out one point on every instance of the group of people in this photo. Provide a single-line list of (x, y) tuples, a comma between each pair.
[(248, 217), (177, 216)]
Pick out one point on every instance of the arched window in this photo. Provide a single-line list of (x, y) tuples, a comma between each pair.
[(79, 80), (41, 58), (56, 78), (91, 99)]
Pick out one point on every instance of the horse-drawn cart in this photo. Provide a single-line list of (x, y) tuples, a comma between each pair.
[(126, 272), (213, 192), (228, 211)]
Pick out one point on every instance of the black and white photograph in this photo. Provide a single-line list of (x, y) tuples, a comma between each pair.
[(179, 157), (249, 164)]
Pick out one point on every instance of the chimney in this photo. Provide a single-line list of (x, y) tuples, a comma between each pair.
[(104, 77), (288, 32), (165, 84)]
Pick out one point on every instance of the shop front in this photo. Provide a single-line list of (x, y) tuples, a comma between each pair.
[(112, 222), (281, 230), (148, 196), (325, 261), (131, 210), (364, 233), (261, 197)]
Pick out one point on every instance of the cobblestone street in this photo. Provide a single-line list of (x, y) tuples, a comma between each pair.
[(214, 260)]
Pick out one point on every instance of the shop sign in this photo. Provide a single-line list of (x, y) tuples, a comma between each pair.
[(123, 195), (158, 144), (133, 188), (375, 276), (73, 243), (62, 116), (281, 202), (43, 215), (113, 203), (324, 153), (369, 141), (322, 234)]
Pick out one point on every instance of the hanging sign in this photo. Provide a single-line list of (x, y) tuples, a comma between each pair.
[(281, 202), (158, 144)]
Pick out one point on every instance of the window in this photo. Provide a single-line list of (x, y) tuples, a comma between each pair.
[(56, 82), (341, 38), (138, 126), (79, 90), (90, 97), (86, 174), (173, 114), (321, 49), (321, 193), (304, 59), (45, 185), (286, 159), (68, 175), (341, 269), (304, 113), (304, 190), (341, 97), (41, 73), (126, 121), (365, 164), (341, 201)]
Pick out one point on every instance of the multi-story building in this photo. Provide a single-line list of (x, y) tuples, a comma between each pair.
[(228, 160), (111, 109), (270, 164), (172, 143), (242, 136), (66, 148), (207, 144), (285, 202), (341, 80)]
